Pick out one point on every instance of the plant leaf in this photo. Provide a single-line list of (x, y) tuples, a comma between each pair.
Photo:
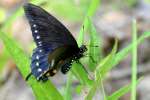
[(91, 11), (68, 90), (122, 91), (100, 70), (94, 87), (78, 69), (134, 61), (23, 64), (105, 65), (95, 51), (123, 53)]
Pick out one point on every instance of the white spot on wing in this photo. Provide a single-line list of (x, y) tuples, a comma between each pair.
[(40, 43), (34, 25), (37, 63), (37, 57), (40, 50), (39, 70), (36, 31), (38, 37)]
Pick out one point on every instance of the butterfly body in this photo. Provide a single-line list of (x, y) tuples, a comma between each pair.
[(56, 47)]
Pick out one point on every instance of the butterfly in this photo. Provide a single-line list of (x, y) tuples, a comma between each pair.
[(56, 48)]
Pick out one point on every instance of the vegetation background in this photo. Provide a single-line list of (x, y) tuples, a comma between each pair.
[(117, 33)]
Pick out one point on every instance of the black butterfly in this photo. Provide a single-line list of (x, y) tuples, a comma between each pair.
[(56, 47)]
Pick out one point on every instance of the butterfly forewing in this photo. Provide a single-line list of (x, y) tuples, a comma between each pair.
[(47, 30)]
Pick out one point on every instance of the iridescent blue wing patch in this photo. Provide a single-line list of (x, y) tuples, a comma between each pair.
[(39, 62)]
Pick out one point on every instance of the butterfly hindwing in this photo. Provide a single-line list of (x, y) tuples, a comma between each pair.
[(39, 62)]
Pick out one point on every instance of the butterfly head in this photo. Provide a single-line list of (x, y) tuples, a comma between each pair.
[(83, 49)]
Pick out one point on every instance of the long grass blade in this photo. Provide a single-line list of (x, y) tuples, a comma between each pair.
[(68, 90), (78, 69), (134, 61), (91, 11), (122, 91), (23, 64), (95, 52), (100, 70)]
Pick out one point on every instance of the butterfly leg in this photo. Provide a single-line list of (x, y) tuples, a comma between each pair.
[(28, 76), (66, 65)]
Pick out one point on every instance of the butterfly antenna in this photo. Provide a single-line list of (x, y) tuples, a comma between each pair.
[(92, 45), (29, 75)]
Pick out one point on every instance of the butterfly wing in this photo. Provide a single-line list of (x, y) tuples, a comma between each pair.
[(47, 30), (39, 62), (49, 34)]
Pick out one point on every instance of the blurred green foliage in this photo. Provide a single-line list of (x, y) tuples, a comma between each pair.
[(100, 67), (4, 56), (2, 15), (72, 10)]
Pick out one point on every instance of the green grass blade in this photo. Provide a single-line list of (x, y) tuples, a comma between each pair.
[(119, 93), (17, 54), (106, 64), (44, 91), (68, 90), (93, 7), (122, 91), (123, 53), (95, 51), (134, 61), (100, 70), (79, 71), (91, 11), (94, 87), (23, 64)]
